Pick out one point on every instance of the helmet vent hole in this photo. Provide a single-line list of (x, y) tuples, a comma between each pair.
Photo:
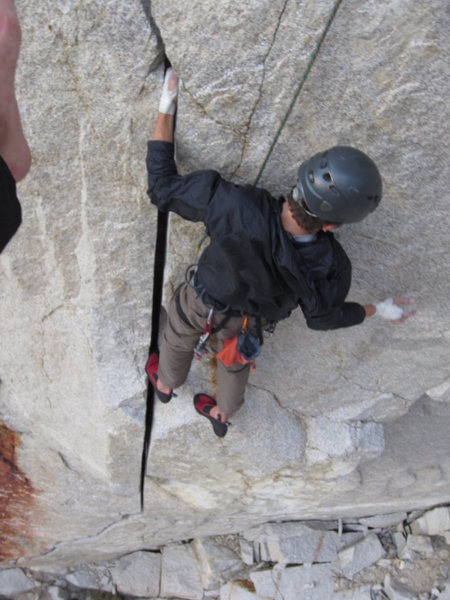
[(334, 189), (327, 177), (324, 161), (311, 176)]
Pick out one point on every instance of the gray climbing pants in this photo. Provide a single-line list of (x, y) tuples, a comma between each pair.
[(180, 339)]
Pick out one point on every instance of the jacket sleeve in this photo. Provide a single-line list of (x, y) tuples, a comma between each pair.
[(186, 195), (331, 310), (347, 315)]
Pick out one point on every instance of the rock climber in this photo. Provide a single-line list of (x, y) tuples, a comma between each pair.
[(15, 158), (265, 258)]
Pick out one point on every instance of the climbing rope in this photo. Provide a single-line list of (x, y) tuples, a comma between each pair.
[(311, 61)]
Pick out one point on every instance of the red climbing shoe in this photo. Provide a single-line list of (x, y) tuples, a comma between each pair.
[(203, 405), (151, 368)]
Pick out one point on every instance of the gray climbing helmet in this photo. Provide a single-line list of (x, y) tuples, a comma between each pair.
[(340, 185)]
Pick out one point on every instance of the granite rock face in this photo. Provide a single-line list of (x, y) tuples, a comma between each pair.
[(335, 423), (74, 327)]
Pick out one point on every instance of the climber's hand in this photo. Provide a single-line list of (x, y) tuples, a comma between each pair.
[(391, 309), (169, 95)]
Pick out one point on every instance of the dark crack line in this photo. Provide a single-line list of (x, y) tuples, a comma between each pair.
[(260, 90), (154, 30), (158, 283), (287, 409), (66, 463), (350, 381), (204, 111), (75, 541), (158, 280)]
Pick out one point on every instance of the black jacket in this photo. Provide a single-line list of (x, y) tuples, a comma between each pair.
[(252, 264), (10, 211)]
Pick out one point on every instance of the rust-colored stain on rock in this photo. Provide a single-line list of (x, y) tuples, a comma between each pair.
[(245, 584), (16, 499)]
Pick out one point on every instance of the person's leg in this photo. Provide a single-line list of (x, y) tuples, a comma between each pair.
[(13, 145), (231, 381), (180, 337), (177, 346)]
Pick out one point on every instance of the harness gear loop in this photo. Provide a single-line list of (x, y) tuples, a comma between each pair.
[(311, 61), (189, 274)]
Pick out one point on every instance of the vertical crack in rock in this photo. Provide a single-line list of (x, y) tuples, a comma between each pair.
[(146, 5), (16, 499), (260, 90), (158, 283)]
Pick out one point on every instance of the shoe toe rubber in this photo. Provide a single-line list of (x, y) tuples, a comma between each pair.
[(203, 405)]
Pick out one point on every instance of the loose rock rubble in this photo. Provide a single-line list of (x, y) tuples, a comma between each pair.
[(398, 556)]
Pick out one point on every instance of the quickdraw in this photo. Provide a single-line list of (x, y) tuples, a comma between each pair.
[(202, 345)]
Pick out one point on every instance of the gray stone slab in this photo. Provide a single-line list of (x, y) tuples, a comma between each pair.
[(363, 554), (297, 543), (14, 581), (416, 546), (396, 590), (92, 577), (307, 582), (383, 521), (180, 577), (247, 551), (441, 392), (445, 594), (50, 593), (216, 563), (433, 522), (399, 540), (138, 574)]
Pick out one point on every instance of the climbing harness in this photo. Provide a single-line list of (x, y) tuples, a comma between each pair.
[(311, 61)]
